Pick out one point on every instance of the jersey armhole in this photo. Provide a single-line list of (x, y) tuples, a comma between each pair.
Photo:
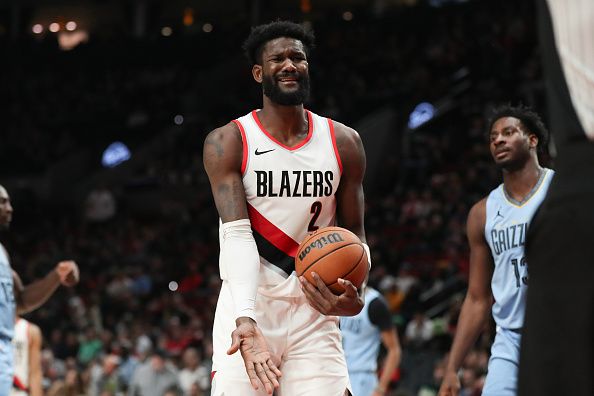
[(333, 137), (379, 314), (245, 151)]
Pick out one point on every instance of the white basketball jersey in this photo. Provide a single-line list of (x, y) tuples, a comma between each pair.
[(21, 354), (506, 225), (573, 25), (290, 191)]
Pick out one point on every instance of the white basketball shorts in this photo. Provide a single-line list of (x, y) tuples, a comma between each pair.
[(307, 344)]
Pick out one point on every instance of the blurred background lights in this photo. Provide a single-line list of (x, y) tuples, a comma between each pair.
[(54, 27), (347, 16), (37, 28), (173, 286), (188, 16), (178, 119), (420, 115), (166, 31), (115, 154), (71, 26), (207, 28)]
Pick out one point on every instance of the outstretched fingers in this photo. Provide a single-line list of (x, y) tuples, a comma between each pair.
[(272, 376), (262, 372), (274, 368), (253, 376)]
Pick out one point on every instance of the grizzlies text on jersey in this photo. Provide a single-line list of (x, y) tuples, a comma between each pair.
[(506, 225)]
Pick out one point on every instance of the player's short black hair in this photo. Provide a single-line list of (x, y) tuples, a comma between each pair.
[(530, 120), (262, 34)]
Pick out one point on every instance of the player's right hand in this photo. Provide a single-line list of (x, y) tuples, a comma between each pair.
[(68, 273), (450, 385), (249, 340)]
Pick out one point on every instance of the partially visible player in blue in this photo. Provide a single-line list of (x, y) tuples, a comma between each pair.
[(496, 230), (16, 298), (361, 338)]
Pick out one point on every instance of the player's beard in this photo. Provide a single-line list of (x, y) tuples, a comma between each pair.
[(516, 162), (271, 88)]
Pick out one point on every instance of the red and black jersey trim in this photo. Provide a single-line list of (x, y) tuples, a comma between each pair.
[(274, 245), (17, 384), (273, 255)]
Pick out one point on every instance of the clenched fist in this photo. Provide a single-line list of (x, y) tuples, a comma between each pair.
[(68, 273)]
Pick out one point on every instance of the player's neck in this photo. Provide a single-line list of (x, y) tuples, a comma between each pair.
[(284, 122), (520, 182)]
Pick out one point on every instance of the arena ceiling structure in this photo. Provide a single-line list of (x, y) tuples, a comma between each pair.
[(143, 18)]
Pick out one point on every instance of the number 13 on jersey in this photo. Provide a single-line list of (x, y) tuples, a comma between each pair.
[(520, 265)]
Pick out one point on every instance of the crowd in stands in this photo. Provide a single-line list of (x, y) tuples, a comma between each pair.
[(149, 282)]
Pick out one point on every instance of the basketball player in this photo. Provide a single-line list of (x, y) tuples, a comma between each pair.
[(27, 359), (496, 230), (558, 344), (276, 174), (16, 298), (361, 338)]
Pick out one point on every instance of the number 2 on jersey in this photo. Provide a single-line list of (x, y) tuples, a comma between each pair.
[(316, 209)]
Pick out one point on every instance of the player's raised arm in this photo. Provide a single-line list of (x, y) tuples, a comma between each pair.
[(239, 261), (477, 303), (30, 297)]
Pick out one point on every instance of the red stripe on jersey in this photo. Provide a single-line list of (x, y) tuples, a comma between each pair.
[(17, 383), (300, 144), (212, 374), (331, 125), (245, 146), (272, 233)]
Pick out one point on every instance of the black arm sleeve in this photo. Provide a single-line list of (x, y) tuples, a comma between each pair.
[(379, 314)]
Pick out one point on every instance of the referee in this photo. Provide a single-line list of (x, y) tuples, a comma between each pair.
[(557, 352)]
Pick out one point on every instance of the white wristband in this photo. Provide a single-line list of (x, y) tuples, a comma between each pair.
[(366, 247)]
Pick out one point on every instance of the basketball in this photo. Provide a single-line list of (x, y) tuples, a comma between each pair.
[(332, 253)]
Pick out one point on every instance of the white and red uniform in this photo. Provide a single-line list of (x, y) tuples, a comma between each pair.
[(21, 356), (290, 191)]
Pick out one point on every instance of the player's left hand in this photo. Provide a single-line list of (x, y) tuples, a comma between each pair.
[(349, 303), (68, 273)]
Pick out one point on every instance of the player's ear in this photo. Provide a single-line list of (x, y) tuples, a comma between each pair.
[(533, 140), (257, 72)]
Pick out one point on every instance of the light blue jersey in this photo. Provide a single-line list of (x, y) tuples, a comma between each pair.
[(361, 338), (505, 231), (7, 318), (7, 304), (506, 225)]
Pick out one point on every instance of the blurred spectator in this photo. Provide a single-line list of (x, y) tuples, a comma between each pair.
[(193, 374), (90, 345), (394, 296), (105, 377), (154, 377), (100, 204), (419, 330)]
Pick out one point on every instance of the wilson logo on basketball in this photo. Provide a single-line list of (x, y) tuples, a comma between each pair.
[(335, 237)]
